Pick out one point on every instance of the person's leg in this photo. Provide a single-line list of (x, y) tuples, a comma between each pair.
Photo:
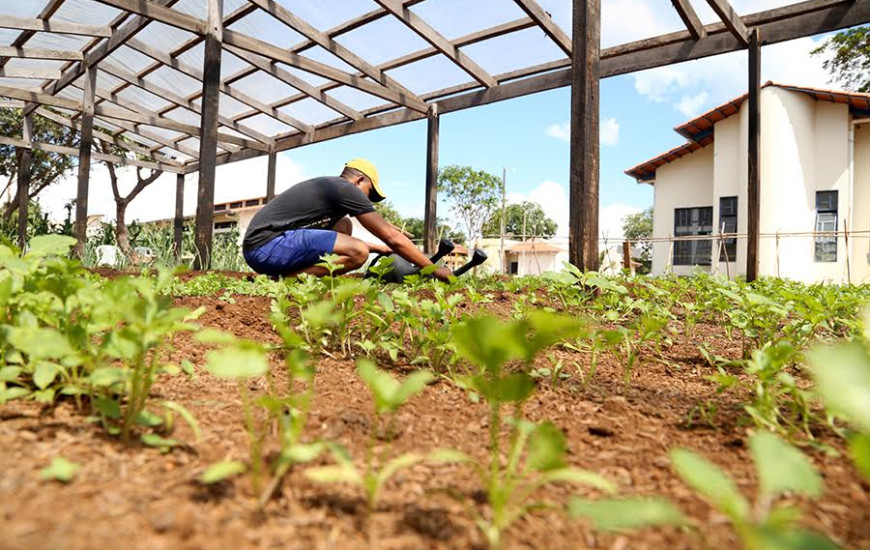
[(344, 225), (352, 254)]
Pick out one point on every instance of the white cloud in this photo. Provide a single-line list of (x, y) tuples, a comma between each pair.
[(238, 180), (724, 77), (553, 198), (692, 106), (608, 131), (560, 131)]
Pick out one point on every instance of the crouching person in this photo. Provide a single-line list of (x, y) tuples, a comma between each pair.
[(290, 234)]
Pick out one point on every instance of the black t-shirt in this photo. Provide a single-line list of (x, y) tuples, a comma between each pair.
[(314, 204)]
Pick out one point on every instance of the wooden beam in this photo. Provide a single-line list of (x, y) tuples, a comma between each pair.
[(731, 20), (178, 100), (156, 12), (132, 113), (43, 25), (270, 51), (301, 26), (690, 18), (754, 176), (24, 72), (41, 53), (545, 21), (195, 73), (430, 35), (129, 144), (430, 217), (85, 145), (281, 55), (178, 222), (211, 71), (50, 8), (95, 155), (289, 78), (493, 32), (105, 49), (270, 175), (584, 167), (24, 172)]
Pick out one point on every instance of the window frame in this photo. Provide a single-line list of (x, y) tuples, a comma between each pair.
[(694, 252), (729, 250), (825, 249)]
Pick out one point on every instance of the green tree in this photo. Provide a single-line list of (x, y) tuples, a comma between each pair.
[(474, 195), (46, 168), (849, 63), (537, 223), (636, 228), (122, 201), (389, 213), (414, 226)]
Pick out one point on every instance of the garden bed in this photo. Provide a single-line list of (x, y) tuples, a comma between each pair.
[(133, 496)]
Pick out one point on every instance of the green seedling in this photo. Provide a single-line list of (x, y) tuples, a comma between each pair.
[(782, 470), (842, 376), (388, 395), (490, 344), (60, 469)]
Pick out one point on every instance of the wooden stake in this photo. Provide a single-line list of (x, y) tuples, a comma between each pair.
[(626, 255), (848, 264), (24, 172), (87, 139), (584, 168), (178, 223), (270, 176), (753, 193), (208, 142), (431, 217)]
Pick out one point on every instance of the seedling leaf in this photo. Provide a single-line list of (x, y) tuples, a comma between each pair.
[(630, 513), (60, 469), (220, 471), (783, 468), (709, 480), (237, 362)]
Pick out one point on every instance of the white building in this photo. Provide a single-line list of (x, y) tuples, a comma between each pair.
[(815, 176)]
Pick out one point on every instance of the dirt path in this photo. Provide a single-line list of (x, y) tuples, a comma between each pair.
[(136, 497)]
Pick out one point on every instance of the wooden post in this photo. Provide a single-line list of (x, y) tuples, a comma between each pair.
[(753, 193), (211, 76), (178, 223), (24, 172), (777, 252), (669, 268), (87, 139), (431, 217), (584, 171), (270, 176), (626, 255), (846, 244)]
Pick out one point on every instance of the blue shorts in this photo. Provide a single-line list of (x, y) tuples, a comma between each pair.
[(291, 251)]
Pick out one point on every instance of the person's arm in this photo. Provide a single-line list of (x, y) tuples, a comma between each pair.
[(399, 243)]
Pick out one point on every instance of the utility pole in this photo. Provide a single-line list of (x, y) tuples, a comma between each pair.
[(501, 231)]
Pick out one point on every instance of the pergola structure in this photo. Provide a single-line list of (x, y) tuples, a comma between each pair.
[(127, 80)]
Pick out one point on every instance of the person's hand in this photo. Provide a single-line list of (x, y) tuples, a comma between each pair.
[(442, 274)]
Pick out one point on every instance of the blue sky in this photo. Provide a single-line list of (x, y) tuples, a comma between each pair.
[(528, 136)]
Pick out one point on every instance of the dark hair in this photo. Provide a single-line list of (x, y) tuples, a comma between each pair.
[(351, 172)]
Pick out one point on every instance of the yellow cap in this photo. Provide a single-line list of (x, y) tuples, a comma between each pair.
[(369, 170)]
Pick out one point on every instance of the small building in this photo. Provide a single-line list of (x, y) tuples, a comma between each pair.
[(815, 187), (534, 257)]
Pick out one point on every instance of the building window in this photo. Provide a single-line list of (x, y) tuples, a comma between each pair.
[(728, 224), (691, 222), (826, 221)]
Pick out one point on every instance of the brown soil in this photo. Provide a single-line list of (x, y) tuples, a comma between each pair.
[(136, 497)]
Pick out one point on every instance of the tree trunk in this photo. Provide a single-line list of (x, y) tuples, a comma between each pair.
[(121, 230)]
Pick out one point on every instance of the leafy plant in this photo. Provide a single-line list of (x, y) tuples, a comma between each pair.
[(782, 470), (388, 395)]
